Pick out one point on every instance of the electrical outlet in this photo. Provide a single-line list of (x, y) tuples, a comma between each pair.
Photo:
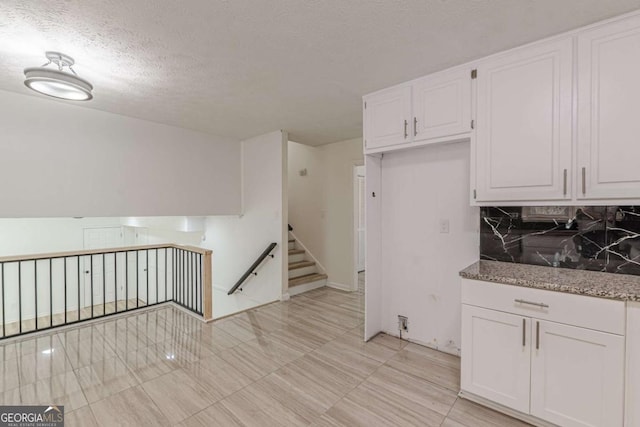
[(444, 225), (403, 323)]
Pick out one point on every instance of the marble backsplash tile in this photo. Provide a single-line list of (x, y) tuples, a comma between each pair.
[(599, 238)]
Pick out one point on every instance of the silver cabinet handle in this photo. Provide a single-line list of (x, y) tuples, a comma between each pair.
[(565, 183), (537, 335), (524, 333), (405, 130), (584, 181), (537, 304), (415, 126)]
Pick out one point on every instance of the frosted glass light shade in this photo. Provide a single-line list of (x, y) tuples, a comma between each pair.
[(58, 84)]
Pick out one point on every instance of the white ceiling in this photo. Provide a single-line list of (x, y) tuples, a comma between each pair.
[(240, 68)]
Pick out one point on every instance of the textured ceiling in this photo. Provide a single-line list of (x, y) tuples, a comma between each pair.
[(239, 68)]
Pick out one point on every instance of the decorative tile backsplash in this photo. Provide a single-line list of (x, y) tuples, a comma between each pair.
[(600, 238)]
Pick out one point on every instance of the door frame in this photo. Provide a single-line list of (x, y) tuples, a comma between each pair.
[(355, 220)]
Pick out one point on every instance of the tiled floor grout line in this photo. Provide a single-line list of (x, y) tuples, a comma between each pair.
[(352, 389), (138, 381), (75, 375), (265, 375), (346, 332), (154, 402), (117, 356), (449, 413)]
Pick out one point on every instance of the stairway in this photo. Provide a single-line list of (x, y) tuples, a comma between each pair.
[(303, 274)]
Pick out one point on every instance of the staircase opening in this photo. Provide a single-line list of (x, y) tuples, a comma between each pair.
[(305, 273), (325, 209)]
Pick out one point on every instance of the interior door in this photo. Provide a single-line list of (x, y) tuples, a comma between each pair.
[(137, 264), (577, 376), (99, 271), (524, 131), (496, 356)]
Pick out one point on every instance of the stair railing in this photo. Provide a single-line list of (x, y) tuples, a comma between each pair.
[(44, 291), (252, 269)]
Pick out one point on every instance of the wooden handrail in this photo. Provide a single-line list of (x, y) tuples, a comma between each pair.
[(34, 257)]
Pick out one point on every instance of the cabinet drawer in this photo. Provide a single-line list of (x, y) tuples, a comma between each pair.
[(577, 310)]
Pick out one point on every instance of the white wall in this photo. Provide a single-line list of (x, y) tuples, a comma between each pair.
[(307, 200), (60, 160), (170, 229), (25, 236), (419, 264), (340, 260), (28, 236), (321, 204), (237, 241)]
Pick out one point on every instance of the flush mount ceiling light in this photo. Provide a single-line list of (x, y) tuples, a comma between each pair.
[(58, 83)]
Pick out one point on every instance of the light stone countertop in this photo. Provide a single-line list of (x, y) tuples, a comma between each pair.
[(622, 287)]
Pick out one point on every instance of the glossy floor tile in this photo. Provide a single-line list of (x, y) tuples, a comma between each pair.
[(296, 363)]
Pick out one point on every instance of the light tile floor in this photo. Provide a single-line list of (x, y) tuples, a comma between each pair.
[(302, 362)]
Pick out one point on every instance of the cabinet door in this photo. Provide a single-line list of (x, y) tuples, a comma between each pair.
[(496, 356), (387, 117), (442, 105), (524, 121), (608, 124), (577, 376)]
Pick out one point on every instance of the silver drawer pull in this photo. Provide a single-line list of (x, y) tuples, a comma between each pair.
[(537, 304)]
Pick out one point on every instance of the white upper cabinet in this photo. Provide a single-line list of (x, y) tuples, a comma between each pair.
[(555, 121), (433, 109), (442, 105), (387, 118), (524, 124), (608, 122)]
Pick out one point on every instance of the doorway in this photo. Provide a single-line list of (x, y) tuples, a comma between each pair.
[(96, 275)]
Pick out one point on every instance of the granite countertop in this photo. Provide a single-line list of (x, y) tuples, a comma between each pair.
[(622, 287)]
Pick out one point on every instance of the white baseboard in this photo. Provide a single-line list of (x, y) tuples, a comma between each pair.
[(285, 297), (340, 286), (454, 351)]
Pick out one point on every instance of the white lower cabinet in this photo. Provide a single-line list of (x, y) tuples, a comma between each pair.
[(498, 366), (576, 375), (531, 361)]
